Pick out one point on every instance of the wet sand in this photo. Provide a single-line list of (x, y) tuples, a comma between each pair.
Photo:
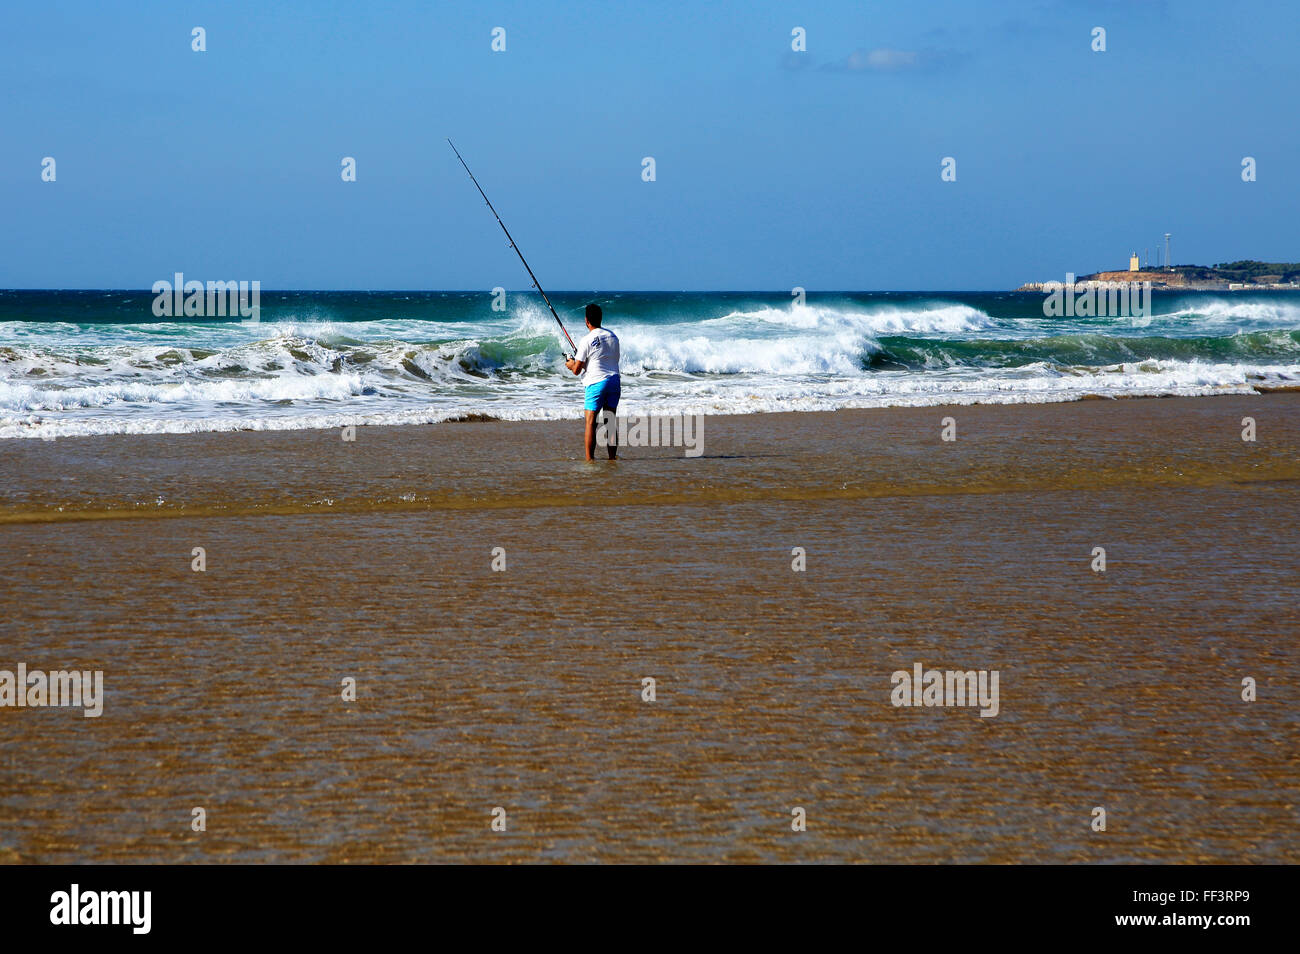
[(522, 689)]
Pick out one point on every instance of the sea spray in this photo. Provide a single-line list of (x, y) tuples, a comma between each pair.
[(100, 362)]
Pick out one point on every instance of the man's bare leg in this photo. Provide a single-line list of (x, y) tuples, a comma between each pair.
[(591, 434), (611, 430), (590, 437)]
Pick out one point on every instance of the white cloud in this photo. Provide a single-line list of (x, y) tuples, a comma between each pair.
[(882, 58)]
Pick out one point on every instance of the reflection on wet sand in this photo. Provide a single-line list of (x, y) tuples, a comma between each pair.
[(523, 689)]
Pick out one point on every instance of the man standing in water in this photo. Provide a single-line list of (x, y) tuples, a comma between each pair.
[(597, 356)]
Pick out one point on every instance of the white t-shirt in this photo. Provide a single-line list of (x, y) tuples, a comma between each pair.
[(599, 348)]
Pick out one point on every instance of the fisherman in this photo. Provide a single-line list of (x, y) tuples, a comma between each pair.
[(596, 359)]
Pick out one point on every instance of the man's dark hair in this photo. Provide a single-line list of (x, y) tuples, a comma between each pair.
[(594, 315)]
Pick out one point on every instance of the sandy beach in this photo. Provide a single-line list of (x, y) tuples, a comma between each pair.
[(522, 689)]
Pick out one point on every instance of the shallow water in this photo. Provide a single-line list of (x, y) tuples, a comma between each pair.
[(521, 689)]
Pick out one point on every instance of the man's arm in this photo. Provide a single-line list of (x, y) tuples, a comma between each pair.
[(574, 365)]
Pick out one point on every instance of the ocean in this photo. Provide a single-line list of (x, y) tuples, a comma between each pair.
[(99, 362)]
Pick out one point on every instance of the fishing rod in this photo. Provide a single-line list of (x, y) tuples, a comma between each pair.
[(515, 247)]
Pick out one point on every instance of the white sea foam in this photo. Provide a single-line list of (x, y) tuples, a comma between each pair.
[(1027, 385), (1214, 315), (314, 371)]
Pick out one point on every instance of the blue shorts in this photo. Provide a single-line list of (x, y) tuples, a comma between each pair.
[(604, 395)]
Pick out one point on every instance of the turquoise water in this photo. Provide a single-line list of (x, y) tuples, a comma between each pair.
[(95, 362)]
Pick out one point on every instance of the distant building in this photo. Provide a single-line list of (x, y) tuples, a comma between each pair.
[(1133, 265)]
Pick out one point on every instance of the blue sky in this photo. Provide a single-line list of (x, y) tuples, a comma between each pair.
[(774, 169)]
